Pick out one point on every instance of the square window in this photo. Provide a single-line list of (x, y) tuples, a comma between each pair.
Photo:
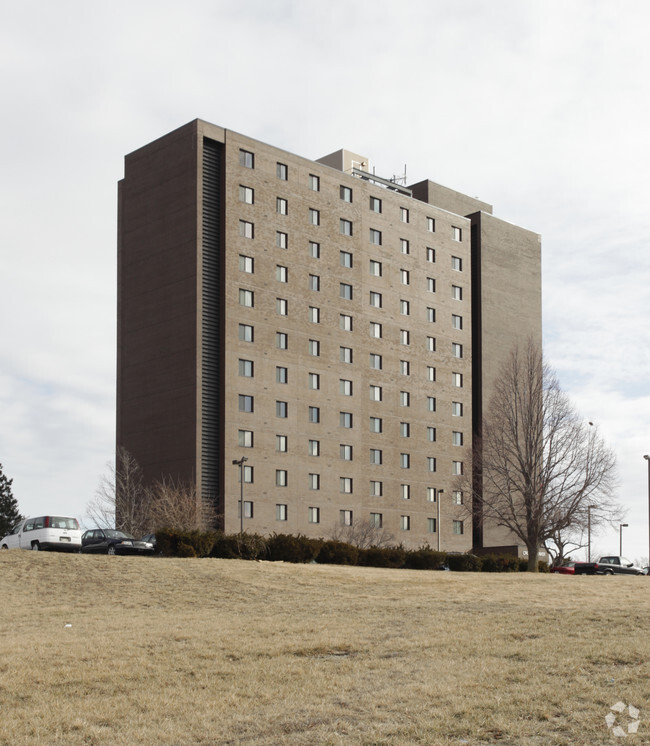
[(375, 425), (457, 438), (345, 258), (281, 443), (375, 204), (405, 522), (431, 525), (314, 414), (431, 494), (456, 409), (375, 237), (431, 285), (345, 291), (345, 354), (314, 282), (246, 159), (405, 247), (375, 361), (281, 240), (345, 387), (246, 298), (314, 183), (345, 517), (456, 233), (457, 263), (245, 332), (313, 515), (404, 399), (404, 337), (431, 225), (281, 171), (246, 229), (457, 497), (346, 194), (431, 434), (281, 206), (404, 307), (345, 452), (405, 460), (345, 485), (375, 299), (456, 349), (431, 254), (375, 268), (314, 447), (345, 322), (281, 374), (431, 463), (405, 491), (345, 227), (457, 379), (314, 315), (314, 250), (375, 393), (376, 488), (405, 429), (281, 273), (345, 419), (404, 214), (314, 347), (245, 403), (314, 481), (457, 468), (248, 475), (246, 368), (376, 520), (375, 456), (246, 264), (456, 321), (405, 367), (457, 527), (431, 315), (375, 330), (281, 512), (281, 409), (314, 216), (404, 276), (248, 509), (314, 381), (456, 292), (281, 306), (281, 340), (245, 438)]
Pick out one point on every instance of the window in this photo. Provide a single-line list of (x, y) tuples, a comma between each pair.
[(375, 425), (314, 183), (431, 254), (456, 349), (245, 438), (431, 525), (404, 276), (405, 460), (405, 491), (314, 216), (313, 515), (431, 463), (375, 361), (405, 429), (314, 315), (456, 409), (314, 481), (431, 373), (281, 273), (405, 522), (346, 194), (281, 240), (345, 322), (375, 204), (375, 330), (281, 171), (281, 306), (345, 258), (345, 291), (404, 214), (457, 263), (314, 381), (456, 292), (431, 344), (404, 245), (248, 475), (314, 347), (457, 379), (281, 443), (246, 159), (345, 517), (281, 206), (280, 512), (246, 264), (431, 285), (431, 315), (281, 408), (345, 227), (246, 368), (246, 298), (457, 468), (457, 438), (404, 399), (457, 527), (314, 447), (314, 282), (457, 497), (375, 268), (431, 225), (375, 393), (248, 508), (376, 488), (345, 354), (281, 340), (404, 337), (281, 374), (376, 520), (431, 434), (456, 321), (431, 494), (375, 299), (345, 419), (345, 485), (345, 387), (314, 250), (345, 452), (375, 456), (456, 233), (431, 403), (246, 229), (405, 367), (245, 333), (245, 403), (375, 237), (314, 414)]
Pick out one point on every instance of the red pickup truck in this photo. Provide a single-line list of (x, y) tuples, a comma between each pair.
[(610, 565)]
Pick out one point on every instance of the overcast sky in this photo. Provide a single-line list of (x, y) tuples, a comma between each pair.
[(541, 108)]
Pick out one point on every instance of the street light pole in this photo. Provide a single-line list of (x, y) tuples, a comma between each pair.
[(240, 463), (647, 458), (589, 533), (440, 492), (621, 526)]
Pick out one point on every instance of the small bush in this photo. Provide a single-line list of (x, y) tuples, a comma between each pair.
[(464, 562), (290, 548), (168, 542), (382, 557), (424, 558), (239, 546), (337, 553), (185, 550), (500, 563)]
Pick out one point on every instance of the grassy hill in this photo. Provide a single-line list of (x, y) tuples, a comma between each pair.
[(97, 650)]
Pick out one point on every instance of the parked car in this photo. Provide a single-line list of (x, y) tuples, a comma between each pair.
[(566, 568), (112, 541), (609, 565), (59, 532)]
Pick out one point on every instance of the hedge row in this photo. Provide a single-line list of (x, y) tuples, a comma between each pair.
[(299, 548)]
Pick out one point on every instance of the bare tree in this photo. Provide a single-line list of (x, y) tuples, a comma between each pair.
[(362, 534), (538, 465), (176, 505)]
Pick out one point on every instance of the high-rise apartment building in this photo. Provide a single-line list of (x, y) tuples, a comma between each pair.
[(337, 330)]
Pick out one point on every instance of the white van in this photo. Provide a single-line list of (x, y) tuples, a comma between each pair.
[(45, 532)]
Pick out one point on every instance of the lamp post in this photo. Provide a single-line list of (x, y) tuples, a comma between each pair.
[(440, 492), (647, 458), (589, 507), (240, 464), (621, 526)]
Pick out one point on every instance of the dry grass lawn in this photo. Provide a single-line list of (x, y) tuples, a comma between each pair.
[(189, 651)]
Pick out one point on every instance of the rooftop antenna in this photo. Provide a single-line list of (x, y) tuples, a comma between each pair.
[(400, 179)]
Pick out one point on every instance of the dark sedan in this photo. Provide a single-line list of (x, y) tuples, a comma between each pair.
[(112, 541)]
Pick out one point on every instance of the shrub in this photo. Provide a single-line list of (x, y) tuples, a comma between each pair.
[(500, 563), (168, 543), (424, 558), (464, 562), (239, 546), (382, 557), (337, 553), (185, 550), (290, 548)]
